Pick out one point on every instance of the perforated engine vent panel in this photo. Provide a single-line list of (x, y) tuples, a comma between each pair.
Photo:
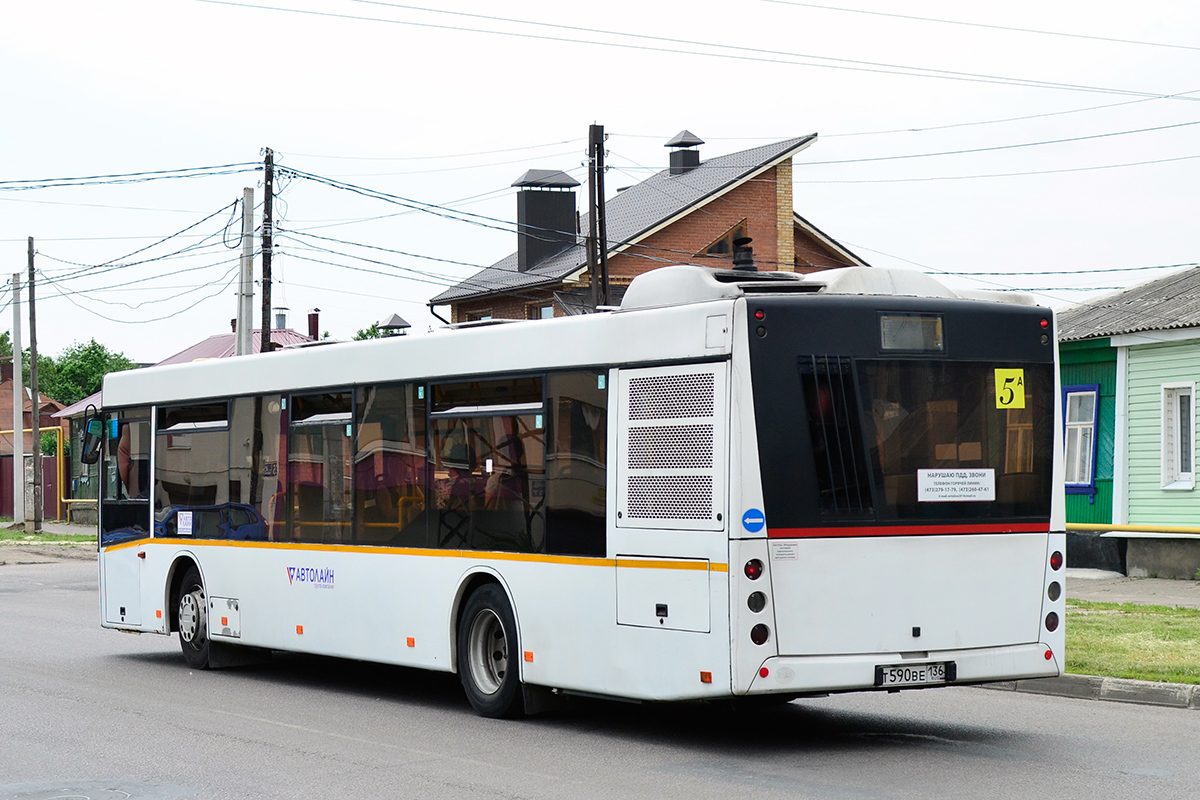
[(670, 496), (671, 447), (671, 396), (671, 439)]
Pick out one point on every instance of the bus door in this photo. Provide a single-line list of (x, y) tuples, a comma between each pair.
[(124, 514)]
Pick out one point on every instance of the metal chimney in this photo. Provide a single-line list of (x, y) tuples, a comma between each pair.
[(281, 317), (545, 216)]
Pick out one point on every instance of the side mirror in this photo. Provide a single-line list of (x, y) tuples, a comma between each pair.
[(93, 440)]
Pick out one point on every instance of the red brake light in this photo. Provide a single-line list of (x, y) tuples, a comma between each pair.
[(760, 314), (1056, 560), (754, 569), (1052, 622), (1045, 323)]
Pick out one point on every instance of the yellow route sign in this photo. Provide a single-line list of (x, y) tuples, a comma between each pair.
[(1010, 388)]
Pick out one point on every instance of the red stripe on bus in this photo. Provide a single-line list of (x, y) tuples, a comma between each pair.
[(904, 530)]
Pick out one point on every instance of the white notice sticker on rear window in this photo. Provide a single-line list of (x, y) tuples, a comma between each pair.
[(956, 485)]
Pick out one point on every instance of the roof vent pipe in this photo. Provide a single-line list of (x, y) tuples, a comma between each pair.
[(743, 255), (684, 160), (281, 318)]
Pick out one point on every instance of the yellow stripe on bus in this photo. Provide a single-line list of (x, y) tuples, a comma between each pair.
[(582, 561)]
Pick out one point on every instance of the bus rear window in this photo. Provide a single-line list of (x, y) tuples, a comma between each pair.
[(950, 440)]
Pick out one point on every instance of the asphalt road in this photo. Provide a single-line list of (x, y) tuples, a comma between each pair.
[(90, 713)]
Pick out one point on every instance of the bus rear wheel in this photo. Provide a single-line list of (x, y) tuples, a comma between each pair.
[(488, 652), (193, 620)]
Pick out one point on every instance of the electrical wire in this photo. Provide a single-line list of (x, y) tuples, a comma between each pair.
[(844, 64), (983, 25), (172, 315), (432, 158), (129, 177), (1008, 174)]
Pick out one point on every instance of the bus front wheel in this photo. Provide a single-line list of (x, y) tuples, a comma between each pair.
[(488, 653), (193, 620)]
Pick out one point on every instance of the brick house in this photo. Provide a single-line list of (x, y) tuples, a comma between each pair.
[(689, 213)]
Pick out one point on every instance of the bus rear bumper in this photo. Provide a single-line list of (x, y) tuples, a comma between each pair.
[(815, 674)]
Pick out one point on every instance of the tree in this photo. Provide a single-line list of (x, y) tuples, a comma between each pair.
[(372, 332), (78, 371)]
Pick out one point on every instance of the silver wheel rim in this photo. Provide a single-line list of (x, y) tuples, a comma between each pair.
[(487, 651), (191, 617)]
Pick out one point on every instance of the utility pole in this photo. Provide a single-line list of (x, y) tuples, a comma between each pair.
[(245, 307), (593, 264), (34, 525), (268, 223), (18, 408), (596, 135)]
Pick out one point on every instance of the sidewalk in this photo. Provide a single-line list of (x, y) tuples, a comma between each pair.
[(30, 549), (1113, 587)]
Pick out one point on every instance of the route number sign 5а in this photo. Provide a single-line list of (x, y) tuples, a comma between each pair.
[(1010, 388)]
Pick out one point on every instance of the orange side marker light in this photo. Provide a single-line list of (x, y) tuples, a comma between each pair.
[(225, 622), (299, 630), (412, 642), (705, 677), (529, 656), (158, 613)]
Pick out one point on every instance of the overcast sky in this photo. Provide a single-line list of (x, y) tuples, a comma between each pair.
[(449, 108)]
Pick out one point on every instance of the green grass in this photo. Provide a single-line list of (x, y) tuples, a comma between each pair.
[(9, 535), (1123, 640)]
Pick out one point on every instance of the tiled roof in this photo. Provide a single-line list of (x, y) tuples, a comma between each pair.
[(632, 214), (1172, 301), (223, 345)]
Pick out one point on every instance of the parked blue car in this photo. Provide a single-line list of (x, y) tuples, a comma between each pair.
[(229, 521)]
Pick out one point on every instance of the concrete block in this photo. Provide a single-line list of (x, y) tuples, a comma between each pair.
[(1086, 687), (1163, 558), (1124, 690)]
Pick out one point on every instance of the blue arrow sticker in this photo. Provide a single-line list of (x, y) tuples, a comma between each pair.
[(754, 520)]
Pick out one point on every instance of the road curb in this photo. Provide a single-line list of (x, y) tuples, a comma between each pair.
[(1114, 690)]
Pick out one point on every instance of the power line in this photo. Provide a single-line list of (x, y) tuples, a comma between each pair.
[(1006, 146), (1009, 174), (128, 177), (983, 25), (172, 315), (432, 158), (98, 269), (786, 59)]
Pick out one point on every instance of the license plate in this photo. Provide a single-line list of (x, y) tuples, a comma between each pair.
[(910, 674)]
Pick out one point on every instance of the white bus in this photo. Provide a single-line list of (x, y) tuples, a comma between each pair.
[(735, 484)]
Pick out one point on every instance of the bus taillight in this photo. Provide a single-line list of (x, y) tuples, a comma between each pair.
[(754, 569), (1056, 560), (1052, 622), (760, 633), (756, 602)]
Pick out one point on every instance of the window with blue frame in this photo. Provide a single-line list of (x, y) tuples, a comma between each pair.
[(1080, 406)]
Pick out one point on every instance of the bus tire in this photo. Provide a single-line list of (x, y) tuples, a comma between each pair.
[(488, 653), (193, 620)]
